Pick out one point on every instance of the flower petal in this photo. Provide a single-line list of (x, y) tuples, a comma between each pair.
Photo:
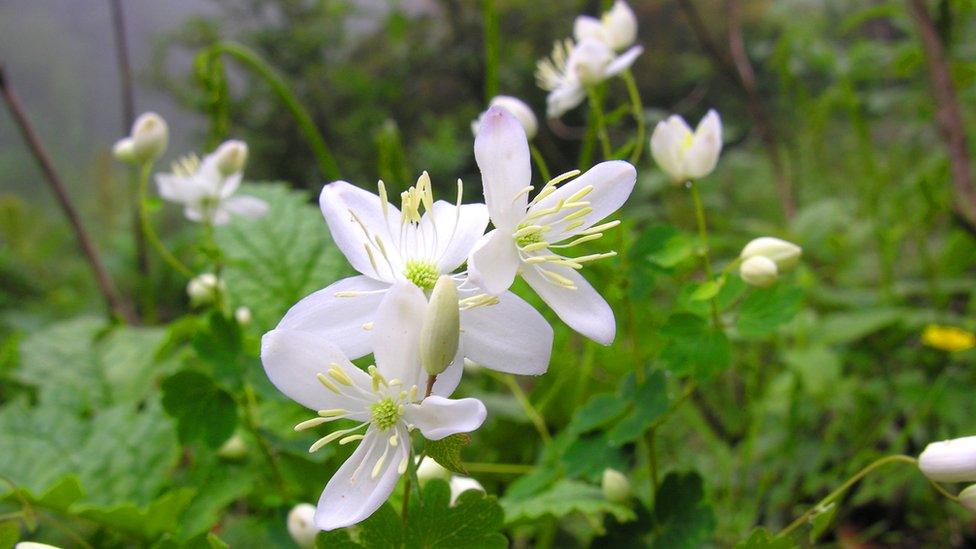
[(612, 183), (246, 206), (564, 98), (341, 320), (494, 262), (586, 26), (510, 336), (457, 232), (702, 156), (353, 493), (502, 152), (175, 188), (339, 201), (396, 334), (293, 360), (582, 308), (438, 417), (623, 61)]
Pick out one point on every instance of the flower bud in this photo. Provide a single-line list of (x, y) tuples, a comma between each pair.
[(616, 487), (620, 25), (685, 155), (785, 254), (231, 157), (150, 135), (517, 108), (442, 327), (589, 60), (233, 448), (758, 271), (429, 469), (242, 315), (301, 525), (124, 151), (950, 460), (968, 498), (460, 485), (34, 545), (204, 289)]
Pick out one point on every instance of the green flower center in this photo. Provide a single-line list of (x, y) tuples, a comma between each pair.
[(422, 274), (527, 239), (386, 413)]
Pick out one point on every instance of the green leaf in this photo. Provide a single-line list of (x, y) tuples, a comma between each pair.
[(9, 534), (683, 519), (694, 347), (821, 520), (587, 457), (760, 538), (162, 515), (383, 529), (447, 451), (819, 368), (649, 400), (336, 539), (598, 411), (850, 326), (765, 310), (564, 498), (707, 290), (203, 411)]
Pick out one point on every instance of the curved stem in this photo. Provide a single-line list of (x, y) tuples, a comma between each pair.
[(326, 162), (540, 162), (596, 108), (704, 250), (637, 110), (534, 416), (148, 230)]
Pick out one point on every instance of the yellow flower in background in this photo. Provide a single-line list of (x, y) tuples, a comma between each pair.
[(948, 338)]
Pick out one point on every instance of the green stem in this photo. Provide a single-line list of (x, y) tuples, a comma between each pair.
[(251, 424), (534, 416), (326, 162), (704, 251), (596, 108), (652, 458), (637, 110), (148, 230), (490, 17), (540, 163), (499, 468)]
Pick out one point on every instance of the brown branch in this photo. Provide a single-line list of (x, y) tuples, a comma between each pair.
[(948, 113), (102, 278)]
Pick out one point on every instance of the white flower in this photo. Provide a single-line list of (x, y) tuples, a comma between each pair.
[(968, 498), (34, 545), (301, 525), (386, 245), (146, 142), (617, 27), (206, 192), (243, 315), (519, 110), (460, 485), (385, 404), (687, 155), (785, 254), (204, 289), (531, 236), (615, 486), (231, 157), (950, 460), (429, 469), (759, 271), (572, 68)]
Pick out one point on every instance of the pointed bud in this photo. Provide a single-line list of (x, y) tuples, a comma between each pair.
[(243, 316), (460, 485), (204, 289), (301, 525), (124, 151), (968, 498), (429, 469), (442, 327), (758, 271), (233, 448), (620, 25), (785, 254), (150, 135), (950, 460), (231, 157), (616, 487), (34, 545)]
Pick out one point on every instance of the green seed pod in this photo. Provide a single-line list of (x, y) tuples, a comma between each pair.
[(442, 327)]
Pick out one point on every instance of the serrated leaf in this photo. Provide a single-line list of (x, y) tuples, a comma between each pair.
[(447, 451), (765, 310), (760, 538), (598, 411), (564, 498), (203, 411), (694, 347), (589, 455), (683, 519), (650, 400)]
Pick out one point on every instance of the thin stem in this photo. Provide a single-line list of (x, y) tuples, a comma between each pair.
[(704, 250), (534, 416), (148, 230), (105, 283), (652, 458), (326, 162), (250, 423), (843, 488), (499, 468), (637, 110), (540, 163), (596, 109), (406, 499)]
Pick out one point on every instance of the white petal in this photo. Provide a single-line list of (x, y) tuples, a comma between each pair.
[(586, 26), (612, 183), (220, 216), (494, 262), (582, 308), (179, 189), (620, 25), (510, 336), (293, 360), (246, 206), (345, 321), (702, 156), (339, 201), (353, 493), (623, 61), (438, 417), (457, 232), (194, 212), (502, 152), (396, 334), (449, 379), (567, 96), (228, 185), (666, 146)]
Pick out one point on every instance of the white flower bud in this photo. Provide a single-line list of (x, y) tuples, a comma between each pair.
[(616, 487), (685, 155), (204, 289), (301, 525), (460, 485), (950, 460), (429, 469), (242, 315), (517, 108), (968, 498), (150, 135), (785, 254), (442, 327), (34, 545), (589, 61), (620, 25), (231, 157), (758, 271), (124, 151), (233, 448)]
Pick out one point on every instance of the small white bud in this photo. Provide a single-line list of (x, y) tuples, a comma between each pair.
[(950, 460), (124, 151), (785, 254), (204, 289), (301, 525), (34, 545), (429, 469), (242, 315), (233, 448), (620, 25), (758, 271), (442, 327), (687, 155), (968, 498), (231, 157), (460, 485), (150, 135), (616, 487), (517, 108), (589, 61)]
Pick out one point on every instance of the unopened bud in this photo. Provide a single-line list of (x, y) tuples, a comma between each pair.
[(460, 485), (517, 108), (589, 59), (785, 254), (429, 469), (950, 460), (620, 25), (301, 525), (204, 289), (34, 545), (442, 327), (233, 449), (759, 271), (243, 316), (616, 487), (968, 498), (231, 157), (124, 151), (150, 135)]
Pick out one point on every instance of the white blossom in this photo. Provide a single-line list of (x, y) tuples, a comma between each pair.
[(968, 498), (950, 460), (146, 142), (685, 155), (204, 289), (615, 486), (572, 67), (785, 254), (759, 271), (521, 111), (617, 27), (301, 525)]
